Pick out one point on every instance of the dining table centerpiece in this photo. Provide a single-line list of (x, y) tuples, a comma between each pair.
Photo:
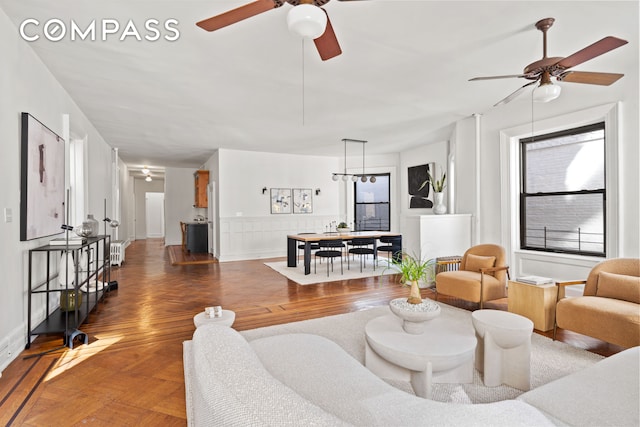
[(343, 228), (414, 311)]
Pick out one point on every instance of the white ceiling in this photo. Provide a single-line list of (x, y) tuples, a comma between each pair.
[(402, 79)]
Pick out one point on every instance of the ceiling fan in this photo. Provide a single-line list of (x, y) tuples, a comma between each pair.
[(307, 18), (546, 68)]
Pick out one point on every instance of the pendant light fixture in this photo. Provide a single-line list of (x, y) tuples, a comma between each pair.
[(354, 177), (307, 20)]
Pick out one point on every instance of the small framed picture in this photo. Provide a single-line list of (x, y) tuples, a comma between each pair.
[(302, 200), (280, 200)]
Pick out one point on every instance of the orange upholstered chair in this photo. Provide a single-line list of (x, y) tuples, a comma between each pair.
[(480, 277)]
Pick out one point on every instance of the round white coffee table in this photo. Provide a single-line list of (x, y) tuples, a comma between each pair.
[(443, 353), (227, 318), (504, 348)]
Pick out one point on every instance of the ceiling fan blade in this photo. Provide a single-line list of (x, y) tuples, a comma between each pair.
[(590, 52), (236, 15), (327, 44), (508, 76), (514, 94), (603, 79)]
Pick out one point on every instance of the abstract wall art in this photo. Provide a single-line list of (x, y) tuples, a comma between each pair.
[(42, 186)]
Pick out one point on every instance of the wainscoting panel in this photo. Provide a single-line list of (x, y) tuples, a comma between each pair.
[(243, 238)]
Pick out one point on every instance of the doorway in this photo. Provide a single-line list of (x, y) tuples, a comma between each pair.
[(154, 214)]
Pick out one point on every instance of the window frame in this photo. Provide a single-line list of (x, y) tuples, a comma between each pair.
[(356, 204), (524, 196)]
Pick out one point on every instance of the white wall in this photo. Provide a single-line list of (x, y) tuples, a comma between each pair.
[(26, 85)]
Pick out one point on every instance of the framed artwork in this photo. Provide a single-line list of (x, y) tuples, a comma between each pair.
[(42, 185), (302, 200), (420, 194), (280, 200)]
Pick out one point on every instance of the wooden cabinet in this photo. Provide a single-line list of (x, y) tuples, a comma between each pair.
[(201, 181)]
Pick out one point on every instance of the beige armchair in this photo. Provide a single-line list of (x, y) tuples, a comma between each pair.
[(481, 275), (609, 308)]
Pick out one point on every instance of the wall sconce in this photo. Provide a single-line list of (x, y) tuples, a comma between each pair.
[(264, 190), (317, 191)]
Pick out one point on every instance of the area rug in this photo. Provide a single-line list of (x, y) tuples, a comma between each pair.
[(297, 273), (549, 359)]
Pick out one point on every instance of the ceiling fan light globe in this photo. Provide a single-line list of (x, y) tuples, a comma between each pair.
[(546, 92), (307, 20)]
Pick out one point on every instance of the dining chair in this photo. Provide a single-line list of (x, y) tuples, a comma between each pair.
[(363, 247), (183, 229), (392, 246), (329, 249)]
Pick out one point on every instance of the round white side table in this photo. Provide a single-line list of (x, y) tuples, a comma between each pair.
[(504, 348), (227, 318)]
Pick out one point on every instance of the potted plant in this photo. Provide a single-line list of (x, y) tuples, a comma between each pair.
[(343, 228), (438, 186), (414, 311), (412, 269)]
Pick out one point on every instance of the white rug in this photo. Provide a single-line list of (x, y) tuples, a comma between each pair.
[(549, 359), (297, 273)]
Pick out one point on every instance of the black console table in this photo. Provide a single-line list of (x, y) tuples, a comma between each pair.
[(91, 279)]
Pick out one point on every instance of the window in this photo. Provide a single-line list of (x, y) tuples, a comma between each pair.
[(563, 192), (372, 207)]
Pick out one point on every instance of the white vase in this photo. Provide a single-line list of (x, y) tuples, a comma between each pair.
[(439, 208)]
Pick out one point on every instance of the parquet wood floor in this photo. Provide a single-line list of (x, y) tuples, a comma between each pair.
[(131, 371)]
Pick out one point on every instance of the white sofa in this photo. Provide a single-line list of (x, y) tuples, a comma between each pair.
[(308, 380)]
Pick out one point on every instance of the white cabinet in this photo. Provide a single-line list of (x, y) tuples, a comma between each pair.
[(432, 236)]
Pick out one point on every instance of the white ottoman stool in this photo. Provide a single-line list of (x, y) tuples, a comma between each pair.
[(227, 318), (504, 348)]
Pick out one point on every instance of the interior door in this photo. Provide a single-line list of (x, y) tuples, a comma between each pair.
[(154, 213), (211, 215)]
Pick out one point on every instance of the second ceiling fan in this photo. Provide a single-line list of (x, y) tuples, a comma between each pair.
[(306, 13), (544, 69)]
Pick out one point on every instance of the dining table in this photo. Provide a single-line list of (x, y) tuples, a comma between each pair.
[(309, 238)]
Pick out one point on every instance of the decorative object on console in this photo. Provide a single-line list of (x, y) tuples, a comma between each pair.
[(438, 186), (41, 180), (88, 228)]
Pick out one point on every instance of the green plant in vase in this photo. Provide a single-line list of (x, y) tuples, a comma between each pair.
[(412, 269)]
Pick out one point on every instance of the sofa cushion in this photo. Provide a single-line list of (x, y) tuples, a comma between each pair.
[(230, 386), (322, 372), (608, 319), (619, 286), (476, 262), (466, 285), (606, 393)]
